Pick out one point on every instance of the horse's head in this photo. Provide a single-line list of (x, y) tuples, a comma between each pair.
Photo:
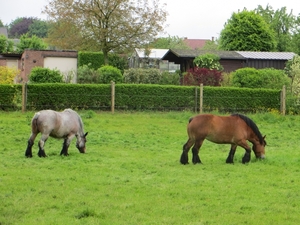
[(80, 143), (259, 149)]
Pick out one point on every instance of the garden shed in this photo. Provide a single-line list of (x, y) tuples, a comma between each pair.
[(231, 60)]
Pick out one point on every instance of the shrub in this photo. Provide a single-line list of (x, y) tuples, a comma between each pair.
[(196, 76), (208, 61), (5, 44), (8, 75), (45, 75), (262, 78), (87, 75), (142, 76), (110, 73), (170, 78)]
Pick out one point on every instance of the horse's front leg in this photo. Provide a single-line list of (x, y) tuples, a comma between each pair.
[(65, 147), (247, 156), (231, 154)]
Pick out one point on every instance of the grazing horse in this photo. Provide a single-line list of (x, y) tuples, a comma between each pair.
[(66, 125), (235, 129)]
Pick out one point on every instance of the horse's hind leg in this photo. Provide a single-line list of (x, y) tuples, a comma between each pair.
[(231, 154), (28, 152), (42, 141), (195, 150), (184, 159)]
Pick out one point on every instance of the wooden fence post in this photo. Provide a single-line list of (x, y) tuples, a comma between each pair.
[(196, 96), (282, 100), (201, 99), (112, 97), (24, 97)]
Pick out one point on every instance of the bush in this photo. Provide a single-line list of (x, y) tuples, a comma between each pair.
[(262, 78), (45, 75), (142, 76), (208, 61), (87, 75), (8, 75), (109, 74), (207, 77)]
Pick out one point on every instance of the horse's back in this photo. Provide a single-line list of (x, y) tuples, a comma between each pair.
[(219, 129)]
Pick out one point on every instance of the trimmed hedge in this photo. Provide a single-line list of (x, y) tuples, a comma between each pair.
[(140, 97)]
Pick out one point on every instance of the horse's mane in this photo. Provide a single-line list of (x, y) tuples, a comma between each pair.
[(252, 125)]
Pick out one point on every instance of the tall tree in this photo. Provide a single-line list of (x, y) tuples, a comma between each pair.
[(282, 23), (105, 25), (247, 31), (19, 26)]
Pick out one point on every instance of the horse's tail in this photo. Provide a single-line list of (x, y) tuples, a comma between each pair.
[(34, 123)]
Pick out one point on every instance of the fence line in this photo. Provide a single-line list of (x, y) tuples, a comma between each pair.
[(198, 101)]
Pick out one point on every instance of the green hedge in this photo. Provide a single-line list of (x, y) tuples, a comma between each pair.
[(139, 97)]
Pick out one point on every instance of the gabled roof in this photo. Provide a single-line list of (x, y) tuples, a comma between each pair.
[(242, 55), (267, 55), (195, 53), (154, 53), (195, 43)]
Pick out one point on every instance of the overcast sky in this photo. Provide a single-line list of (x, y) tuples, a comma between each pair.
[(194, 19)]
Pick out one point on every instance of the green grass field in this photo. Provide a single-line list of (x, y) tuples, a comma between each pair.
[(131, 174)]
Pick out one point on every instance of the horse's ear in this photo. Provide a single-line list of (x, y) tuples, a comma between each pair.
[(264, 137), (86, 134)]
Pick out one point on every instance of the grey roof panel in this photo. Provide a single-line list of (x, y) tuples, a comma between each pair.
[(267, 55)]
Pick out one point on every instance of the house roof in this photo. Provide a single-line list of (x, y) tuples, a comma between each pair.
[(154, 53), (267, 55), (195, 43), (229, 54), (194, 53)]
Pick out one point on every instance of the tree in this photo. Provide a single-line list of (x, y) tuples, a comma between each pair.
[(104, 25), (247, 31), (1, 23), (19, 26), (170, 42), (282, 23), (38, 28), (210, 45), (33, 42), (5, 44)]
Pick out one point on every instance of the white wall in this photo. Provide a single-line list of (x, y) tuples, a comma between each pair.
[(67, 66)]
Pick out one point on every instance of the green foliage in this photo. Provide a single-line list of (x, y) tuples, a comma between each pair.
[(170, 42), (118, 61), (38, 28), (93, 59), (8, 95), (146, 97), (292, 69), (109, 74), (247, 31), (282, 23), (8, 75), (168, 78), (262, 78), (208, 61), (6, 45), (142, 76), (33, 43), (45, 75), (87, 75)]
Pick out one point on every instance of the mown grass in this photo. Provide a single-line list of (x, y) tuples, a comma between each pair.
[(131, 174)]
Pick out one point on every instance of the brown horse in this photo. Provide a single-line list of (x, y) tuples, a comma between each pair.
[(66, 125), (235, 129)]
